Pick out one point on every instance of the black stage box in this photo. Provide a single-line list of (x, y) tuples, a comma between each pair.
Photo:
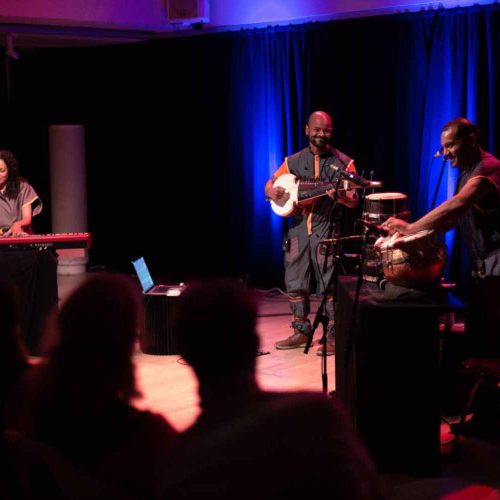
[(34, 274), (158, 334), (387, 374)]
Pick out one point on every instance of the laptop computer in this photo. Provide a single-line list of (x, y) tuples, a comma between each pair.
[(146, 281)]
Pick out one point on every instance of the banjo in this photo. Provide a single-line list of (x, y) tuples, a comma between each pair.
[(301, 192)]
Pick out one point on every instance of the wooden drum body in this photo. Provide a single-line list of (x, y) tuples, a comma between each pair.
[(414, 260)]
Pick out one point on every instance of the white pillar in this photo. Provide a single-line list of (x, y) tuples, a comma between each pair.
[(68, 191)]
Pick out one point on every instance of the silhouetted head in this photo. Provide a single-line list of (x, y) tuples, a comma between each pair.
[(97, 328), (216, 327), (460, 139)]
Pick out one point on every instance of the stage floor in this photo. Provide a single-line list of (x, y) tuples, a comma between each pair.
[(169, 385)]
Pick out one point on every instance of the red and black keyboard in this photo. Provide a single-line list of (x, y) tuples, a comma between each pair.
[(45, 241)]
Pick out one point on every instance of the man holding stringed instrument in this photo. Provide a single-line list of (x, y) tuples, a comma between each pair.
[(309, 188), (475, 209)]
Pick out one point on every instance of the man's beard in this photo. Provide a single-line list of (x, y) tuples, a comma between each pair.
[(319, 142)]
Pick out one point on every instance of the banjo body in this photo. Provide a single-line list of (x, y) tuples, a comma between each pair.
[(302, 192)]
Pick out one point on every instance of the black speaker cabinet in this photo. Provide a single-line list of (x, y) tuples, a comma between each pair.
[(387, 373), (34, 274), (158, 335)]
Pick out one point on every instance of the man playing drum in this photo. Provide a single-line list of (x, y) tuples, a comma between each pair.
[(475, 209)]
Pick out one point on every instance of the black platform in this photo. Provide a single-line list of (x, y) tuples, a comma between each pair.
[(34, 274), (388, 374), (158, 335)]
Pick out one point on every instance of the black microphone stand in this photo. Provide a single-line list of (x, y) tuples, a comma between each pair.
[(372, 174), (321, 316), (440, 178), (352, 326)]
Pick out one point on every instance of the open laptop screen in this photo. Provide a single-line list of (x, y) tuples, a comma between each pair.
[(143, 274)]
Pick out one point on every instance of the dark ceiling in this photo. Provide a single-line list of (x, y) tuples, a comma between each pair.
[(25, 36)]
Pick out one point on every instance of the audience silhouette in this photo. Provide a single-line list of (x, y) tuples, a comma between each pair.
[(79, 401), (249, 443)]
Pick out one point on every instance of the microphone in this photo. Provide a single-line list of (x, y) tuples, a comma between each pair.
[(439, 153), (376, 228), (356, 179)]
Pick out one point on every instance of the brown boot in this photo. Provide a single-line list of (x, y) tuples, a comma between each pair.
[(330, 342), (330, 347), (294, 341), (301, 330)]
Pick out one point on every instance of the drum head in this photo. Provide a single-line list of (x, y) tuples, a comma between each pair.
[(386, 196), (378, 207)]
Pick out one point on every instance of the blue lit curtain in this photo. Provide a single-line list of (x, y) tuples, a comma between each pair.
[(401, 78), (267, 109)]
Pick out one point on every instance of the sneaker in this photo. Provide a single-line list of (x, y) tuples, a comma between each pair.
[(293, 342), (330, 348)]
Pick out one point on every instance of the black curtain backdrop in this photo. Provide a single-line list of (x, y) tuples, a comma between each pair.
[(182, 133)]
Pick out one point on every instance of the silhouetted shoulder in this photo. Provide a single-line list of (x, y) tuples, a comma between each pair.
[(282, 445)]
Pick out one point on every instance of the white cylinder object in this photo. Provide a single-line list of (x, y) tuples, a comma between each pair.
[(68, 189)]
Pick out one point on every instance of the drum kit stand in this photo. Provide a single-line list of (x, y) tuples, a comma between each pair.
[(334, 249), (377, 208)]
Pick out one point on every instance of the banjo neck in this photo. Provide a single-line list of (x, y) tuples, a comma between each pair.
[(311, 189)]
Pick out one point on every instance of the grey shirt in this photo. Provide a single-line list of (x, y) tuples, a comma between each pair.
[(10, 208)]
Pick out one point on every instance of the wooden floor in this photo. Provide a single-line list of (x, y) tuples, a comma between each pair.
[(169, 387)]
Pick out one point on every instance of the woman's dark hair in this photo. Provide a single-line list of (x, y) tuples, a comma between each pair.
[(13, 179)]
